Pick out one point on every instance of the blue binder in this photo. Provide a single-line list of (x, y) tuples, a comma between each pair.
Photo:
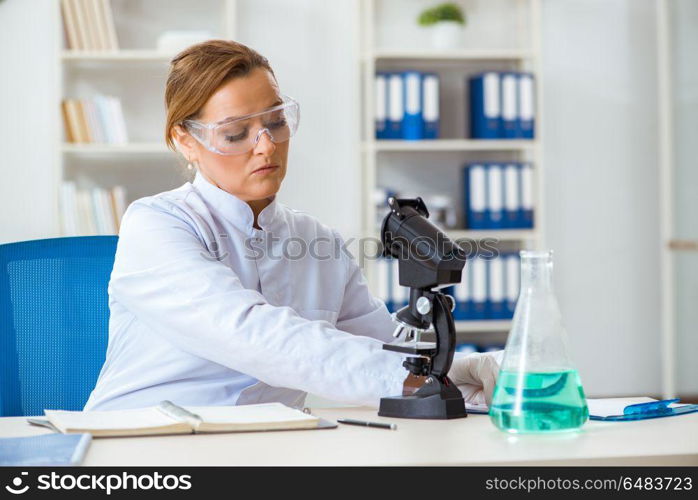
[(461, 294), (381, 104), (383, 281), (466, 348), (512, 196), (512, 277), (495, 196), (478, 269), (396, 109), (527, 106), (653, 409), (510, 112), (44, 450), (491, 348), (526, 214), (430, 100), (496, 300), (413, 121), (475, 196), (485, 106), (398, 294)]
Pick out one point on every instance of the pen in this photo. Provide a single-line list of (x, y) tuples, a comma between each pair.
[(379, 425)]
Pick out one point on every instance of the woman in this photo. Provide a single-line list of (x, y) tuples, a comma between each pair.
[(207, 306)]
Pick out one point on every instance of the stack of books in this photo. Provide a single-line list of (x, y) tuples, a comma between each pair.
[(96, 120), (86, 212), (89, 25)]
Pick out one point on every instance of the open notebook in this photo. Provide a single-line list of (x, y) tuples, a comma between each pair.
[(168, 418)]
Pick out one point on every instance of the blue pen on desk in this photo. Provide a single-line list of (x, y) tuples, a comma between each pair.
[(378, 425)]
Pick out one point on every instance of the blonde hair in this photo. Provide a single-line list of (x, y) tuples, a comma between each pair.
[(198, 71)]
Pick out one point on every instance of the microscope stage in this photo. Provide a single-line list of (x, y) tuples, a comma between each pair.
[(419, 348)]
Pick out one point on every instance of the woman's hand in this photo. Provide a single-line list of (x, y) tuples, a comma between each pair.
[(476, 375)]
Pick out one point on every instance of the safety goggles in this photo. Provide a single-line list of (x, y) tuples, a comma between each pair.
[(236, 136)]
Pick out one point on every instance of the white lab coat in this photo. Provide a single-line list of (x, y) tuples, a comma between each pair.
[(206, 310)]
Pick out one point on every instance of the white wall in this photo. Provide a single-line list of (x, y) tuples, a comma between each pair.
[(28, 134), (600, 114), (599, 72), (312, 46), (684, 40)]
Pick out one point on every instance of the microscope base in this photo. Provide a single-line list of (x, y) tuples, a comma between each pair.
[(428, 407)]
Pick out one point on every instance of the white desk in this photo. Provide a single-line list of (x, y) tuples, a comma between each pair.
[(469, 441)]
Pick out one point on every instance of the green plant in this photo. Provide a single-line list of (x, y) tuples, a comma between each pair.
[(443, 12)]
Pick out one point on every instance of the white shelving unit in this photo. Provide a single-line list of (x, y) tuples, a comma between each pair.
[(453, 54), (121, 55), (118, 149), (510, 32), (450, 145), (136, 74)]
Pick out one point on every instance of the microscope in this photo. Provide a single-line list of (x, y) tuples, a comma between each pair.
[(428, 259)]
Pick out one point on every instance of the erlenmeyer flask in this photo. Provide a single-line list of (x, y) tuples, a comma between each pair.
[(538, 389)]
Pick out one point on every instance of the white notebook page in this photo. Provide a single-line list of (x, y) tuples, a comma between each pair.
[(136, 418), (268, 412)]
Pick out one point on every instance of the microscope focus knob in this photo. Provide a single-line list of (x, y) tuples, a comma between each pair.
[(423, 305)]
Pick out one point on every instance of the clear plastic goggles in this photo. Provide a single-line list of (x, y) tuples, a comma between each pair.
[(237, 136)]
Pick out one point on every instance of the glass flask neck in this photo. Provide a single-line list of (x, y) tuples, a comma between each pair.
[(536, 271)]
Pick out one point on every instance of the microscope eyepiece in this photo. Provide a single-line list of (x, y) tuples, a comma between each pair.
[(428, 257)]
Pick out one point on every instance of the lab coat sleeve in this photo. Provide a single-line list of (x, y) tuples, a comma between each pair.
[(361, 312), (164, 274)]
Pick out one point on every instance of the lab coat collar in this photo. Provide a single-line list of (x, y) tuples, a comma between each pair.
[(233, 209)]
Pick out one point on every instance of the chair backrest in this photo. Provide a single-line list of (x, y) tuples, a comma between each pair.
[(54, 320)]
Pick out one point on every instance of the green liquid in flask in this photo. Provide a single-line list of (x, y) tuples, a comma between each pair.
[(539, 402)]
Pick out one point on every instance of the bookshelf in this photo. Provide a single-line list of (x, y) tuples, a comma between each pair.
[(501, 35), (134, 71), (450, 145), (76, 57), (451, 55)]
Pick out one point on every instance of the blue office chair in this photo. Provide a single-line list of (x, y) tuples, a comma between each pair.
[(54, 319)]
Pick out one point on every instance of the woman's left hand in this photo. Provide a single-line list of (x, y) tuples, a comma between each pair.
[(476, 375)]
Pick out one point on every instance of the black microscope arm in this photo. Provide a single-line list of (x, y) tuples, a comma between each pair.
[(445, 330)]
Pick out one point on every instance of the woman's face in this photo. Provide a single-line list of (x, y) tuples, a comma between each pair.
[(257, 174)]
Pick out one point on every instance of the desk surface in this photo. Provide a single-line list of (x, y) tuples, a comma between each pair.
[(468, 441)]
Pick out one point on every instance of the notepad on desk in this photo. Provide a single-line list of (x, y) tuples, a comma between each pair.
[(168, 418)]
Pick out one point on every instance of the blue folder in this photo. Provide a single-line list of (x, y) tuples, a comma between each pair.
[(485, 107), (652, 409), (526, 106), (381, 104), (496, 289), (412, 122), (44, 450), (430, 102), (510, 105), (396, 107), (475, 196), (495, 196), (526, 178)]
